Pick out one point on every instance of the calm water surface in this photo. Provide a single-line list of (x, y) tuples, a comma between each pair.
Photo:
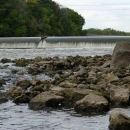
[(20, 117)]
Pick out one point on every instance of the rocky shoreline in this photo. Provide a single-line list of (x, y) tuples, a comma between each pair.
[(87, 84), (71, 82)]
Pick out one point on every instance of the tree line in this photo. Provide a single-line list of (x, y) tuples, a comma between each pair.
[(107, 31), (38, 18)]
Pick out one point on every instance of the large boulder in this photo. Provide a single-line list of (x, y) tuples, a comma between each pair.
[(44, 99), (121, 55), (119, 121), (92, 103)]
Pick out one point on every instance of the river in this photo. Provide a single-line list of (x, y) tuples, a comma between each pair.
[(20, 117)]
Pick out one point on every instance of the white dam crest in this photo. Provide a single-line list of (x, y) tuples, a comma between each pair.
[(61, 42)]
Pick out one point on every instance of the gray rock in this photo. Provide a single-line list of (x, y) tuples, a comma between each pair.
[(75, 94), (119, 96), (92, 103), (45, 99), (119, 121), (121, 55)]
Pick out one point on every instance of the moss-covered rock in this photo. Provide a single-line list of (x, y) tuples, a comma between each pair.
[(5, 60)]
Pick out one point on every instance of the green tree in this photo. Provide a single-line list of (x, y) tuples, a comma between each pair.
[(38, 17), (107, 31)]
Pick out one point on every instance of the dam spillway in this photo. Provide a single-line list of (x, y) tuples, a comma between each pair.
[(19, 42), (61, 42)]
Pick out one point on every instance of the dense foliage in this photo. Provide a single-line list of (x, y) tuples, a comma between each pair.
[(107, 31), (37, 18)]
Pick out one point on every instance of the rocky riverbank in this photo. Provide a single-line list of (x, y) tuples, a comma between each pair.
[(87, 84), (73, 79)]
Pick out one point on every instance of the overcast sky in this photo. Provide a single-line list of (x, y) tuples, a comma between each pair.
[(102, 14)]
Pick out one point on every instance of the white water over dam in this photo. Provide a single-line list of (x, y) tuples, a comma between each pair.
[(61, 42)]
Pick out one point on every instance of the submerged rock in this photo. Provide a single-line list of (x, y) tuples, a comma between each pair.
[(119, 121), (5, 60), (3, 97), (2, 82)]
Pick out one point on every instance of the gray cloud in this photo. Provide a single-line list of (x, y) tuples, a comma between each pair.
[(102, 14)]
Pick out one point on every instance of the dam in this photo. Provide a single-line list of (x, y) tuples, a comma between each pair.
[(61, 42)]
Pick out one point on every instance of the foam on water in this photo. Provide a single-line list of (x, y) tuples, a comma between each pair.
[(75, 45)]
